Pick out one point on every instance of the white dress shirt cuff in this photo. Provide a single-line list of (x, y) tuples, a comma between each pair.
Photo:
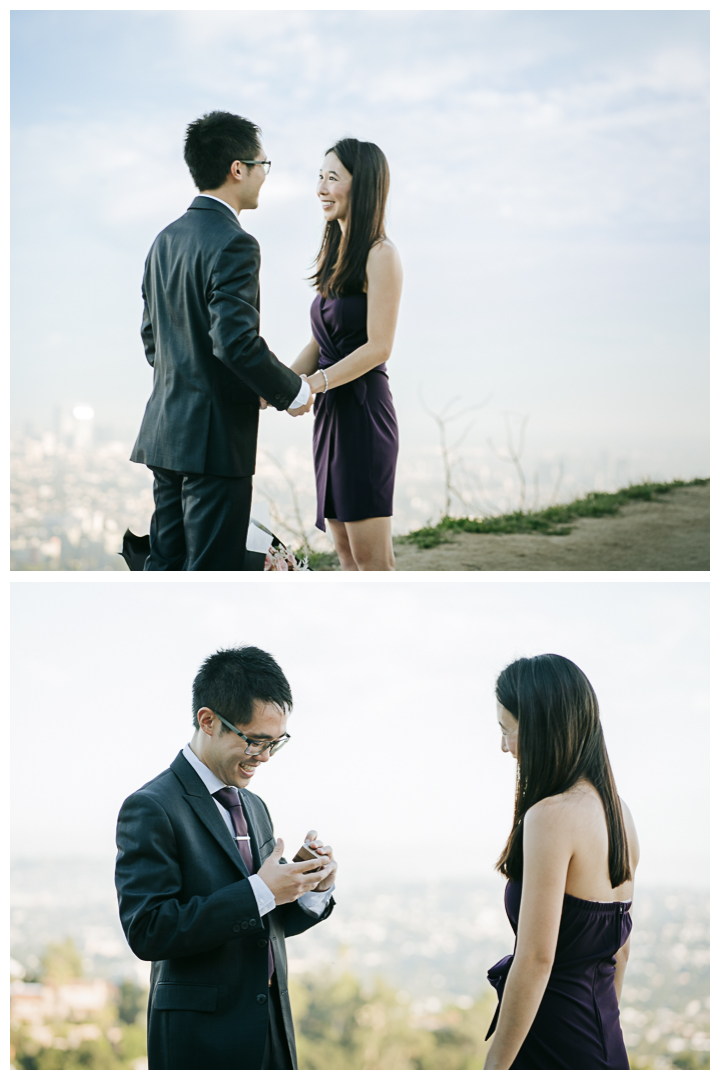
[(303, 395), (316, 902), (263, 895), (313, 902)]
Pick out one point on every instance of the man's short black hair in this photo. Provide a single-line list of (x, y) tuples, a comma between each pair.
[(213, 142), (231, 680)]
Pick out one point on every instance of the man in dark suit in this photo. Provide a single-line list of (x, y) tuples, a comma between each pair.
[(210, 365), (202, 889)]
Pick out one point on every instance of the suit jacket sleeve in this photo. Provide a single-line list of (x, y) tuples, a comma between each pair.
[(158, 923), (296, 919), (146, 333), (293, 918), (234, 324)]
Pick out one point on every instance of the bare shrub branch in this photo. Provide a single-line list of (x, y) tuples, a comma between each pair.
[(514, 453), (442, 419), (298, 529)]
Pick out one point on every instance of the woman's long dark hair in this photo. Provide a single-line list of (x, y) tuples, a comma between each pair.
[(560, 742), (341, 260)]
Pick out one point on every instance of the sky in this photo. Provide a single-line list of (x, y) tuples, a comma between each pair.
[(395, 750), (549, 200)]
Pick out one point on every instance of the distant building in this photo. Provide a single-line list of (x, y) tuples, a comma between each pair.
[(30, 1003), (76, 1000)]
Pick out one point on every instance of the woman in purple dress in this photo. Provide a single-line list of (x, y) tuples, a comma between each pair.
[(570, 861), (358, 280)]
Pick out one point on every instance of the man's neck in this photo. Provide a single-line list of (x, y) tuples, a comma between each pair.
[(195, 741)]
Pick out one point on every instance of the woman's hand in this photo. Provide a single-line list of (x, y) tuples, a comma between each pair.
[(302, 409)]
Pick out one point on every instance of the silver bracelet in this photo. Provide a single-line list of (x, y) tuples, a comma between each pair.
[(324, 375)]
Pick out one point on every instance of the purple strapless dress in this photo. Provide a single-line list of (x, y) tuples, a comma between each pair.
[(577, 1025), (355, 435)]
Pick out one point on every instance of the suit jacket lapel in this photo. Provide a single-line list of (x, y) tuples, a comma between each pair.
[(201, 801)]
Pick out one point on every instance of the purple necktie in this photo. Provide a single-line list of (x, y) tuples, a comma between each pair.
[(229, 798)]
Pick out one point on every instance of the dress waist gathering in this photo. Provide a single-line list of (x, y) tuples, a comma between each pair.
[(355, 439)]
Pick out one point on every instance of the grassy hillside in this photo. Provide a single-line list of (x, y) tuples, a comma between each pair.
[(553, 521)]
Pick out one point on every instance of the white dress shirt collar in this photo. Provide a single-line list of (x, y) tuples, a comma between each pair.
[(224, 204)]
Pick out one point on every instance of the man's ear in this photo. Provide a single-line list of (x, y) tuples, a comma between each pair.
[(206, 719)]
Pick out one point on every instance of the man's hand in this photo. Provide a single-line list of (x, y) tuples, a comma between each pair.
[(263, 403), (288, 881), (312, 841), (303, 408)]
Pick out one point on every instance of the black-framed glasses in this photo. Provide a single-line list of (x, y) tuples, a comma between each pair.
[(265, 164), (253, 747)]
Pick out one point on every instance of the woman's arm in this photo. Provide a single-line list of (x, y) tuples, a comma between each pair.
[(307, 361), (628, 893), (384, 276), (620, 964), (547, 850)]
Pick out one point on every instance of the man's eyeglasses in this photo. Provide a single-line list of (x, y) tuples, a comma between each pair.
[(265, 164), (253, 747)]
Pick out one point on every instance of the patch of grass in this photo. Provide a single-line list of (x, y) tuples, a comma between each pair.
[(553, 521), (320, 560)]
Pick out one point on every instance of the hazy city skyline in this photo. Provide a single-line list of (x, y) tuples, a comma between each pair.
[(432, 942)]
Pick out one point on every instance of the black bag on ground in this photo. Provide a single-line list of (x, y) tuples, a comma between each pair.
[(135, 550)]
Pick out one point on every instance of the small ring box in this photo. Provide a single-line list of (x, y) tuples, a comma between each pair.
[(305, 853)]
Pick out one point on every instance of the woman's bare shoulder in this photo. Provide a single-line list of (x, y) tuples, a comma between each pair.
[(566, 810), (383, 254), (555, 810), (385, 244)]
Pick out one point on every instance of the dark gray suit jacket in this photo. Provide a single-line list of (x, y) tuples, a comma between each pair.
[(186, 905), (200, 331)]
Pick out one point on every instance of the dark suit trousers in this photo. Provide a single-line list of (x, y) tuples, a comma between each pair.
[(277, 1055), (200, 522)]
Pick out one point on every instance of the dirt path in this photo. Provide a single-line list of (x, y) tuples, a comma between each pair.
[(672, 533)]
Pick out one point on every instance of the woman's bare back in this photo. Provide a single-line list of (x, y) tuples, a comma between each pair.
[(588, 877)]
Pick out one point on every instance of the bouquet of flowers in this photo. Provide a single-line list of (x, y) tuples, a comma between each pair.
[(280, 557)]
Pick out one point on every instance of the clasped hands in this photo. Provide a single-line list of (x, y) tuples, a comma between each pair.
[(302, 408), (308, 404), (288, 881)]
